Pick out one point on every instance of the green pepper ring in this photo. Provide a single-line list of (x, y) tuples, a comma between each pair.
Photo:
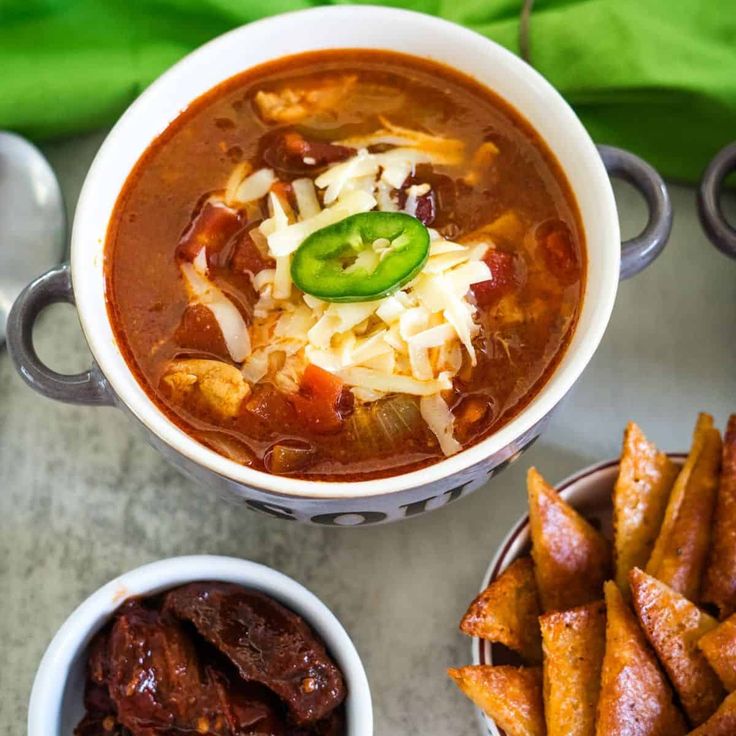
[(318, 266)]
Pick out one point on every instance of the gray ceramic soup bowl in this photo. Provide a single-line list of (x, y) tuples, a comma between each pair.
[(110, 381)]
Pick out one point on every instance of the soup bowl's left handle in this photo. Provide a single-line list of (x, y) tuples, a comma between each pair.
[(89, 387), (637, 253)]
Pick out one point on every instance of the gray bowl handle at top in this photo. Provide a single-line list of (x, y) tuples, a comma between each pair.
[(89, 387), (714, 222), (637, 253)]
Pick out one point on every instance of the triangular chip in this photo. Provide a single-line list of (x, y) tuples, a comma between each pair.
[(722, 722), (673, 626), (511, 696), (507, 611), (682, 546), (720, 574), (719, 648), (644, 482), (635, 698), (571, 558), (574, 642)]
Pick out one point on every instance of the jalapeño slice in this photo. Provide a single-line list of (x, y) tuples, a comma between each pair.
[(362, 257)]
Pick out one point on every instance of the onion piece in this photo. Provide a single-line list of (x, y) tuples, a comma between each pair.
[(381, 425), (226, 445), (283, 458), (230, 321)]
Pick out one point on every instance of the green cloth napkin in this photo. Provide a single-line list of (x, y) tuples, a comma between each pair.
[(655, 76)]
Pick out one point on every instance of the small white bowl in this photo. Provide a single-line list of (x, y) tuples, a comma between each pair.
[(56, 704), (587, 491)]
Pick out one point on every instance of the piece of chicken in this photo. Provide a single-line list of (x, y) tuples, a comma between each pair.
[(291, 106), (219, 384)]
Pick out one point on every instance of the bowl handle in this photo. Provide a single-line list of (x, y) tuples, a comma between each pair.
[(722, 235), (639, 252), (89, 387)]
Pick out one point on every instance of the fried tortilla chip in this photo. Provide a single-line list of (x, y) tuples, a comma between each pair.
[(574, 642), (511, 696), (571, 558), (720, 575), (673, 626), (507, 611), (681, 548), (719, 648), (644, 482), (722, 722), (635, 698)]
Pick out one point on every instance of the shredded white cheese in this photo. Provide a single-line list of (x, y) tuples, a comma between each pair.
[(441, 421), (441, 150), (284, 239), (412, 341), (306, 198), (255, 186)]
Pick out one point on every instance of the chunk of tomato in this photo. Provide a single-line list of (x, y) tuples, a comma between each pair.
[(323, 401)]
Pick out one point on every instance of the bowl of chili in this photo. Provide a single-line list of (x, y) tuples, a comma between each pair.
[(363, 262), (57, 704)]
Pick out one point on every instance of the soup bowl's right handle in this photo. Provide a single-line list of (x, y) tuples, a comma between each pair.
[(89, 387), (637, 253), (717, 228)]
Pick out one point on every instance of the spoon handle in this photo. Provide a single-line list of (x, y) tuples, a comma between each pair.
[(89, 387)]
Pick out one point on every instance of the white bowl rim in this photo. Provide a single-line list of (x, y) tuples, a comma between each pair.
[(502, 559), (598, 303), (47, 694)]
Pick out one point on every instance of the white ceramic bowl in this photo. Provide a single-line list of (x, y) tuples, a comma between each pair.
[(56, 699), (338, 503), (589, 492)]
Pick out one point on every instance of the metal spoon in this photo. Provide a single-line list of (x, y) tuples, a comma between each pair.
[(32, 219)]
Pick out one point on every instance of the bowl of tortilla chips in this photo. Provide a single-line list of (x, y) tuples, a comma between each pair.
[(610, 609)]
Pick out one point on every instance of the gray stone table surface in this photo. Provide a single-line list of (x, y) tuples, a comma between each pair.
[(82, 498)]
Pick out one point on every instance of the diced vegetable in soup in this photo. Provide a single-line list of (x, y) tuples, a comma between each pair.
[(345, 265)]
